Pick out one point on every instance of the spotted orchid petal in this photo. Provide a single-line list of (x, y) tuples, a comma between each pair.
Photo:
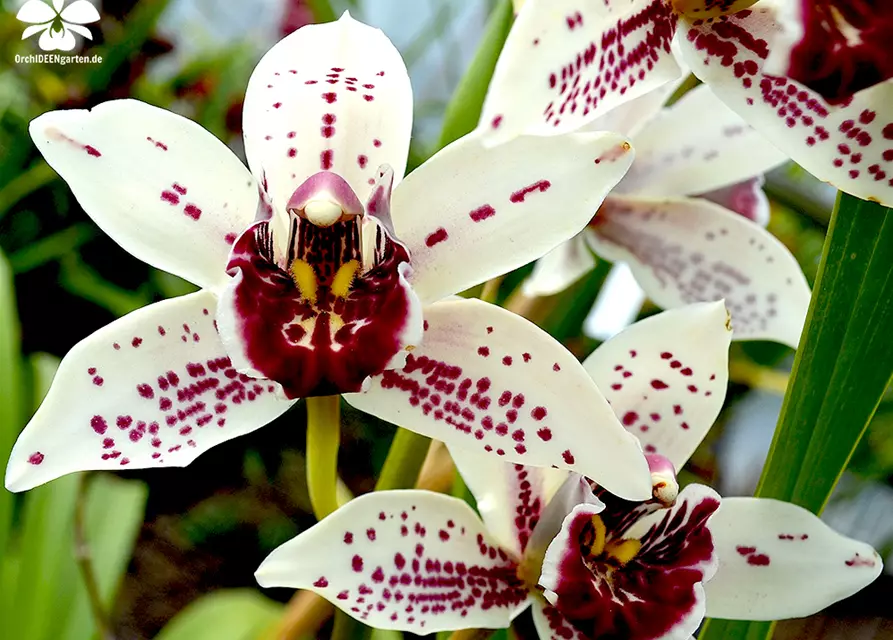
[(836, 48), (332, 314), (329, 97), (552, 625), (488, 380), (484, 212), (745, 198), (850, 146), (161, 186), (709, 8), (644, 585), (560, 268), (778, 560), (566, 63), (682, 152), (665, 377), (407, 560), (153, 389), (630, 117), (511, 498), (685, 250)]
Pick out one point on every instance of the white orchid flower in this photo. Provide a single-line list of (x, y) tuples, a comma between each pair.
[(689, 218), (316, 280), (672, 218), (591, 564), (57, 24), (567, 63)]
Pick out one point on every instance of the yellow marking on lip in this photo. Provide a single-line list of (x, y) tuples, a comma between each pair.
[(600, 533), (305, 280), (622, 551), (344, 278)]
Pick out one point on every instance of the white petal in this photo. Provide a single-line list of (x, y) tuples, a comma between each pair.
[(744, 198), (486, 379), (408, 560), (80, 12), (851, 147), (552, 625), (564, 64), (329, 97), (630, 117), (778, 560), (666, 377), (152, 389), (685, 250), (62, 40), (35, 12), (471, 213), (81, 31), (511, 498), (161, 186), (617, 305), (697, 145), (37, 28), (560, 268)]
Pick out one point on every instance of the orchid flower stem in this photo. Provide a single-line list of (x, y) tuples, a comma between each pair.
[(491, 289), (405, 459), (304, 614), (84, 560), (323, 435), (472, 634)]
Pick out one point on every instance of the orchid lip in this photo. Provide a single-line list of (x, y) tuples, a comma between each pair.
[(326, 315)]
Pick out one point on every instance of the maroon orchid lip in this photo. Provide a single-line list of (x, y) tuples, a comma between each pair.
[(325, 316), (845, 47), (632, 570)]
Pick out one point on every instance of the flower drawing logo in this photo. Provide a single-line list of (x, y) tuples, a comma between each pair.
[(57, 24)]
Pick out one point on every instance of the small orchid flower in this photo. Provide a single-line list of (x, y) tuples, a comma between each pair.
[(673, 219), (566, 63), (316, 276), (592, 565), (57, 24)]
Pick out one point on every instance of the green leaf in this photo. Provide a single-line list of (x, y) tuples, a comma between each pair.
[(114, 515), (464, 109), (42, 567), (11, 409), (841, 370), (241, 614)]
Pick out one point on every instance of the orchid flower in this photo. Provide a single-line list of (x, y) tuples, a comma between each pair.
[(316, 279), (566, 63), (57, 24), (591, 564), (673, 219)]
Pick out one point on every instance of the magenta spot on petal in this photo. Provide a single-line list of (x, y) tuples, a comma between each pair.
[(99, 424), (658, 384), (92, 151), (437, 237), (36, 458), (192, 211), (482, 213), (519, 196), (357, 563)]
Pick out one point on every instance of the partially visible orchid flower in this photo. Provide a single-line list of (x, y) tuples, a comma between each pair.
[(568, 62), (315, 277), (592, 565), (835, 47), (673, 219), (58, 23)]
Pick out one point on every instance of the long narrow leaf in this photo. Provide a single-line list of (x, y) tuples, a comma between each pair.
[(842, 368), (225, 615), (464, 109)]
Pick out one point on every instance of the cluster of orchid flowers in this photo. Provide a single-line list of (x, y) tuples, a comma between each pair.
[(323, 271)]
